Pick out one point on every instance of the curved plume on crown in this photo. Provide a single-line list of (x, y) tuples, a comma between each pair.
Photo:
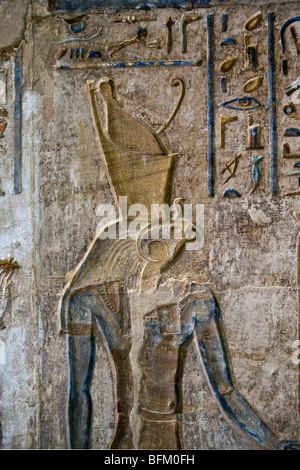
[(137, 162)]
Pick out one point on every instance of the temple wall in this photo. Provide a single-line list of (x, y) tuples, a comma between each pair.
[(54, 180)]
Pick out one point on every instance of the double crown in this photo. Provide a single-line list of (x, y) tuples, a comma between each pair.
[(138, 164)]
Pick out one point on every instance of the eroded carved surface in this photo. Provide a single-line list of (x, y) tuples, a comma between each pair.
[(7, 267), (160, 80), (145, 324)]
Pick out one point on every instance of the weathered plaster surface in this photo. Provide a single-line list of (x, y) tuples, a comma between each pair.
[(249, 254), (12, 22)]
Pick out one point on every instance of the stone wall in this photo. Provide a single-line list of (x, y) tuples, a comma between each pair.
[(53, 180)]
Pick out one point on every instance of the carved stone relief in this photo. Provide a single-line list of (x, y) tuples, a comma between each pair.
[(7, 268), (148, 323), (176, 331)]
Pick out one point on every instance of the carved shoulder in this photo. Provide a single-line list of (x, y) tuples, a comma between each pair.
[(199, 305)]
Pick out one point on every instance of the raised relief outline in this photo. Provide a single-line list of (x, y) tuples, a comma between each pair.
[(7, 268)]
